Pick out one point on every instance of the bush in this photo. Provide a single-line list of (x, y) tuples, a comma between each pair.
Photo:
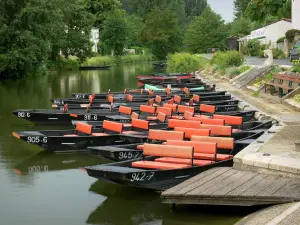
[(100, 61), (278, 54), (244, 50), (297, 98), (136, 58), (280, 40), (183, 62), (232, 72), (253, 47), (244, 68), (290, 34), (62, 63), (228, 59)]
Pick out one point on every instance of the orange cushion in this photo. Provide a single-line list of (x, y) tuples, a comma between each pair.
[(130, 132), (158, 165), (236, 130), (151, 118), (206, 156), (183, 161), (70, 135), (99, 134), (140, 147)]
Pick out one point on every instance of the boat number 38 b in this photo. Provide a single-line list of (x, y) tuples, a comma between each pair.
[(140, 177), (23, 114), (36, 139)]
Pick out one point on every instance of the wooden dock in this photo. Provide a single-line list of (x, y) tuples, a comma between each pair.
[(227, 186)]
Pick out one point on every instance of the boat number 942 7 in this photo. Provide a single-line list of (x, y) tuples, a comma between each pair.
[(36, 139), (23, 114), (139, 177)]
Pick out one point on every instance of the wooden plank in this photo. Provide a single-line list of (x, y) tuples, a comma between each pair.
[(280, 182), (189, 181), (235, 192), (286, 189), (203, 181), (236, 183), (258, 187), (217, 186), (213, 182)]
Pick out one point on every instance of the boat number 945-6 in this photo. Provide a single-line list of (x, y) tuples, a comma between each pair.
[(23, 114), (90, 117), (36, 139), (144, 176)]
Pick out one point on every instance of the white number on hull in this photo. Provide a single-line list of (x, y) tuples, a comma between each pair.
[(37, 168), (90, 117), (24, 114), (129, 155), (37, 139), (139, 177)]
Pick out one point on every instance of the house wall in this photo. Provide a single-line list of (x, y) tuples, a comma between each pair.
[(277, 30), (296, 14)]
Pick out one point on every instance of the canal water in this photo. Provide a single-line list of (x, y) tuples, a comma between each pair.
[(46, 189)]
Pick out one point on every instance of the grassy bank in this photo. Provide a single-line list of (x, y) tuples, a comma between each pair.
[(109, 60)]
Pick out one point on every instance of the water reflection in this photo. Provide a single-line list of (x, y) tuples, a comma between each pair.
[(127, 206), (44, 162)]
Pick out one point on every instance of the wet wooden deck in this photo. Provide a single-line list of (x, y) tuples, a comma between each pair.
[(227, 186)]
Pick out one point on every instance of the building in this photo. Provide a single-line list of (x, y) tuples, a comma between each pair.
[(269, 34), (95, 38), (296, 14)]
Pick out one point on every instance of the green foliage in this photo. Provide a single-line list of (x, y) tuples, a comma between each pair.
[(183, 62), (101, 9), (228, 59), (109, 60), (194, 8), (290, 35), (241, 27), (280, 40), (232, 72), (134, 26), (161, 32), (240, 7), (200, 36), (244, 50), (61, 63), (297, 98), (114, 33), (278, 54), (244, 68), (203, 62), (253, 47), (296, 66)]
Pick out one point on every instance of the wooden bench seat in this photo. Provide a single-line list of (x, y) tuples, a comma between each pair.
[(282, 82)]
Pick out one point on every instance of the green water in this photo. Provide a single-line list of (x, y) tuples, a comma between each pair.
[(49, 189)]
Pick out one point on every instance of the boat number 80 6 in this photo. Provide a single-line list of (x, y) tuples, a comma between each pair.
[(141, 176), (36, 139), (23, 114)]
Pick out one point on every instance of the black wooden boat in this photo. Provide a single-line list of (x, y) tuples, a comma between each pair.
[(94, 67)]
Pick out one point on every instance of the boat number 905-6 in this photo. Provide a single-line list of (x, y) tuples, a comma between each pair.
[(23, 114), (36, 139), (90, 117), (144, 176), (130, 155)]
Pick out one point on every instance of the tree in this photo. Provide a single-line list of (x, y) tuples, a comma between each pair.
[(134, 25), (161, 32), (102, 9), (240, 7), (241, 27), (194, 8), (206, 31), (26, 30), (261, 9), (114, 33), (178, 7)]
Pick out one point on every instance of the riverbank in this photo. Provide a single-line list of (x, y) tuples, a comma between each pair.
[(273, 153)]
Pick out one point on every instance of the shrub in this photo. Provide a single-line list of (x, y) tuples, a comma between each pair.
[(280, 40), (290, 34), (62, 63), (297, 98), (228, 59), (232, 72), (278, 54), (100, 61), (244, 68), (183, 62), (253, 47), (244, 50)]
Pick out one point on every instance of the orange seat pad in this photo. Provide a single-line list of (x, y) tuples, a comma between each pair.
[(140, 147), (99, 134), (206, 156), (151, 118), (158, 165), (70, 135), (196, 162)]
